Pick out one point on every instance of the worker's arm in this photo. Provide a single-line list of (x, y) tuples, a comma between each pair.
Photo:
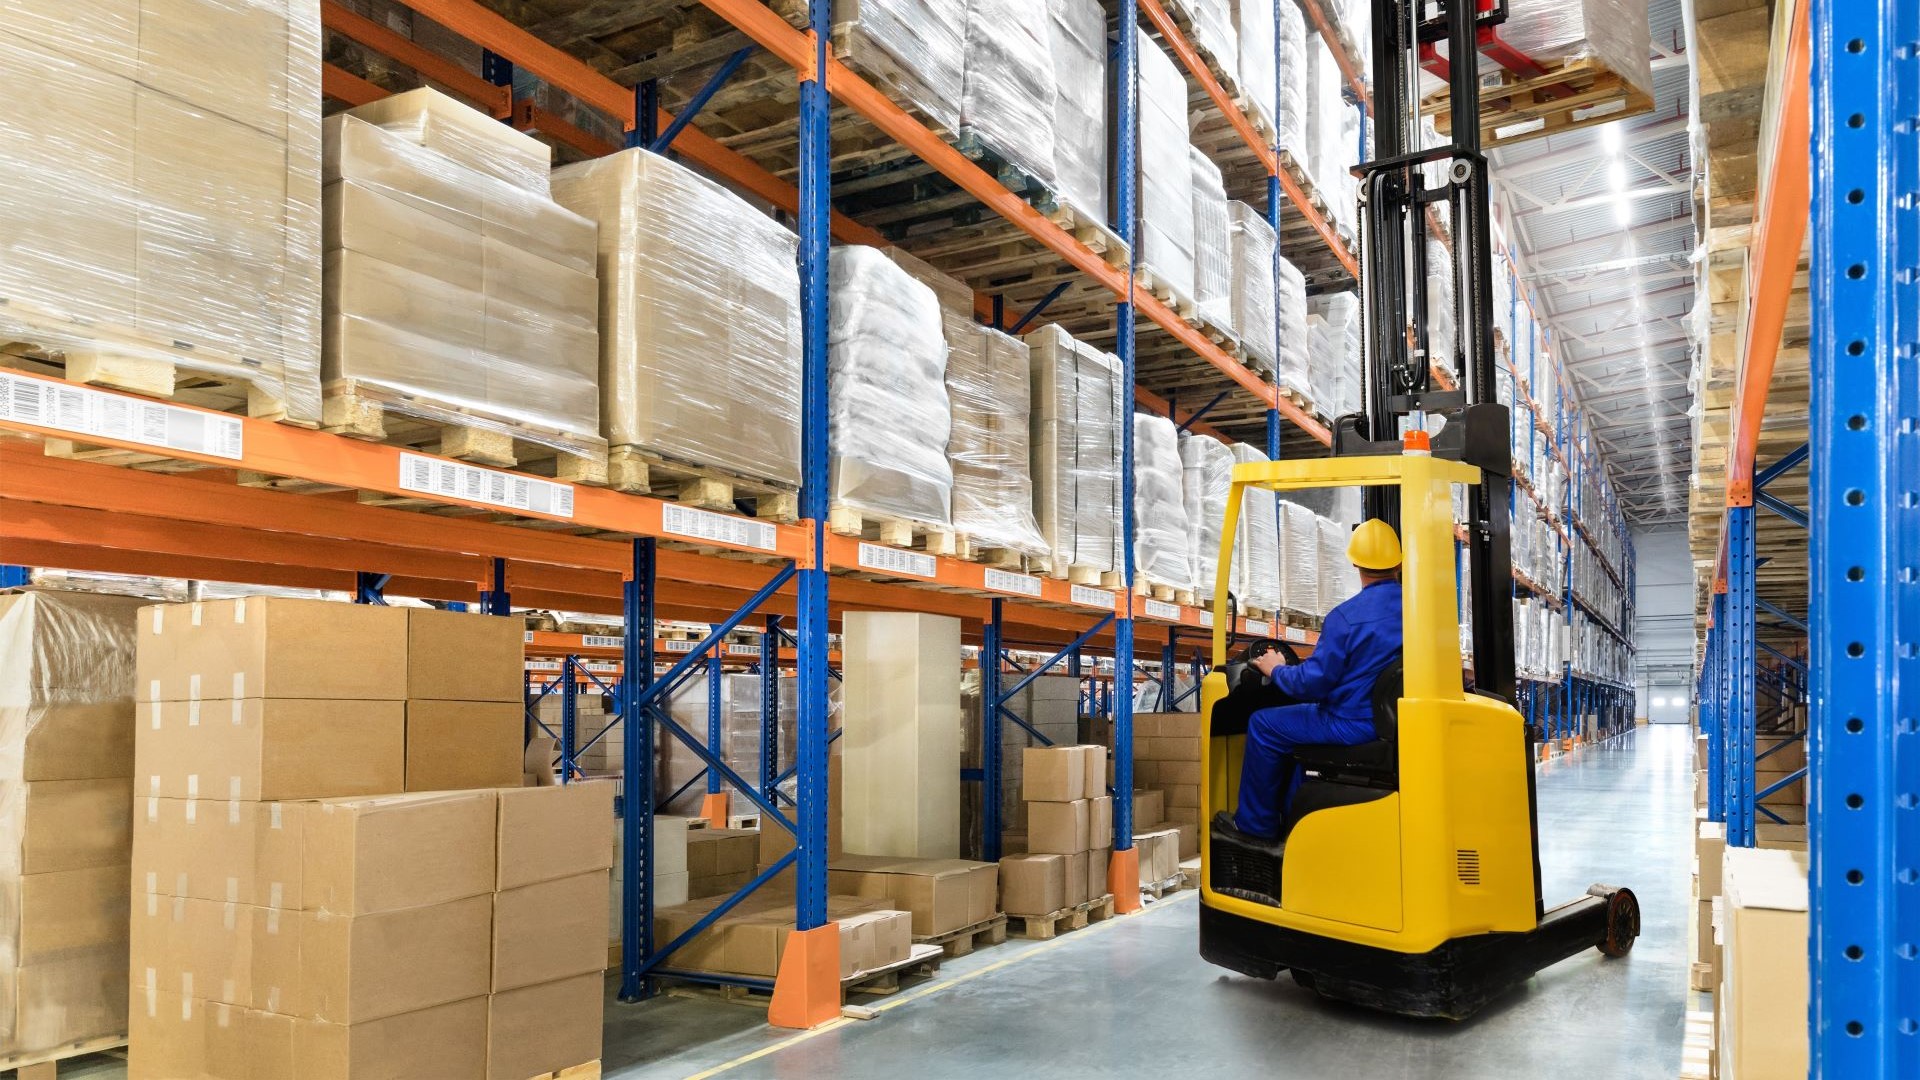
[(1315, 677)]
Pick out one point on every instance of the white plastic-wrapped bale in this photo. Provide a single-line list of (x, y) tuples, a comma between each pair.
[(1075, 425), (693, 279), (1293, 104), (1007, 99), (1253, 28), (1213, 264), (1338, 579), (1334, 347), (457, 294), (1292, 366), (988, 382), (1161, 555), (1206, 474), (160, 197), (1614, 32), (889, 410), (1078, 36), (1214, 34), (911, 49), (1441, 338), (1300, 579), (1256, 550), (1251, 241), (1165, 174)]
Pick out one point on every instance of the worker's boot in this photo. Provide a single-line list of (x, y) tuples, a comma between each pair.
[(1242, 864)]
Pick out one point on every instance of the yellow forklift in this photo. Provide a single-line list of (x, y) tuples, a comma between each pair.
[(1407, 878)]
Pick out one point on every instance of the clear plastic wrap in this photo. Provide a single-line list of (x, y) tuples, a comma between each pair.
[(1206, 475), (740, 736), (1166, 204), (1075, 425), (1214, 33), (988, 381), (1614, 31), (1078, 37), (1250, 244), (1292, 364), (1300, 580), (1257, 568), (1338, 579), (1292, 106), (1253, 29), (911, 49), (160, 195), (452, 294), (891, 418), (700, 297), (1441, 338), (66, 763), (1333, 344), (1213, 263), (465, 136), (1007, 96), (1160, 551)]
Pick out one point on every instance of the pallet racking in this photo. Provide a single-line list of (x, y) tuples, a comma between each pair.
[(248, 500)]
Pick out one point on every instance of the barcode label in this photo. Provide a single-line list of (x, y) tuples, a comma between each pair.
[(1160, 609), (470, 483), (1295, 633), (85, 411), (895, 561), (678, 646), (719, 528), (601, 641), (1259, 628), (543, 665), (1206, 617), (1091, 597), (600, 665), (525, 638), (743, 650), (1018, 584)]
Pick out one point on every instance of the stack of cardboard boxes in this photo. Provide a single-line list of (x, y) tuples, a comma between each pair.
[(294, 914), (1762, 995), (751, 938), (1069, 831), (1166, 758), (66, 758), (720, 861)]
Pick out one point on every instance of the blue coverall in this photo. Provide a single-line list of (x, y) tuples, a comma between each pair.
[(1360, 638)]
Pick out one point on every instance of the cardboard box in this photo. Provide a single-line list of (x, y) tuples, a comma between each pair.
[(73, 741), (1076, 879), (270, 748), (1100, 822), (1764, 980), (44, 917), (670, 889), (1033, 884), (456, 656), (1159, 855), (549, 931), (1094, 759), (1709, 847), (548, 833), (1053, 773), (272, 647), (723, 852), (249, 1043), (363, 967), (82, 995), (238, 852), (1183, 815), (545, 1028), (166, 1036), (1184, 773), (670, 844), (463, 744), (447, 1040), (1148, 805), (1097, 862), (873, 940), (1058, 828), (1179, 795), (369, 855), (1773, 835), (900, 734), (537, 764), (204, 948), (941, 895), (54, 825)]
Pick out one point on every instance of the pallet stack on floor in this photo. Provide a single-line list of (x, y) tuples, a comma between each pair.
[(1069, 840)]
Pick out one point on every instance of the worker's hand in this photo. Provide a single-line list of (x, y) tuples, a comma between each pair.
[(1266, 662)]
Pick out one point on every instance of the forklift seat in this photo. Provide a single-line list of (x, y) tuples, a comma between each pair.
[(1373, 764)]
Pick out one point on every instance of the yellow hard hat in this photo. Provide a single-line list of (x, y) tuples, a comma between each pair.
[(1374, 546)]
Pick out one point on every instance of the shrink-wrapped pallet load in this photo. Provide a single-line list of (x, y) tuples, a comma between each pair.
[(1206, 474), (1256, 549), (1076, 415), (1300, 581), (1077, 32), (1334, 346), (1161, 555), (1214, 34), (457, 291), (1613, 32), (1253, 28), (1165, 174), (890, 414), (66, 812), (700, 311), (1292, 105), (911, 49), (1213, 264), (1007, 100), (1441, 337), (160, 198), (1292, 366), (1251, 242), (1338, 579), (989, 380)]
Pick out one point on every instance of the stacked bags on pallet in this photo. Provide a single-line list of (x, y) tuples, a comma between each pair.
[(1007, 100), (1079, 404), (911, 49), (1213, 262), (1293, 359), (1257, 559), (1206, 475), (1250, 249), (1290, 117), (1166, 238), (1161, 552), (1078, 37), (1253, 26)]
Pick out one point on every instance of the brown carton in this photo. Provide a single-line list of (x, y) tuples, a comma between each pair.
[(1058, 828), (549, 931), (166, 1036), (1033, 884), (1100, 822), (203, 948), (941, 895), (464, 744), (546, 1028), (272, 647), (873, 940), (1053, 773), (1764, 980), (364, 967), (1097, 861), (1094, 761), (73, 741), (47, 916), (272, 748), (1148, 805), (445, 1041), (1159, 854), (65, 824), (249, 1043), (455, 656), (77, 997), (719, 853), (1709, 847), (385, 853), (1076, 879), (548, 833), (242, 852), (1183, 773)]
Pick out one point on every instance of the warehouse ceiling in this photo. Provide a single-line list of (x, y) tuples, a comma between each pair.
[(1602, 219)]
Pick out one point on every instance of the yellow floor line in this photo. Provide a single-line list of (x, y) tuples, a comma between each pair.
[(942, 984)]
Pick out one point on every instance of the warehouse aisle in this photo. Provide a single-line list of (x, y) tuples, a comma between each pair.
[(1132, 997)]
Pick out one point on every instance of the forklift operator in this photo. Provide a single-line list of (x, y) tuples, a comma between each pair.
[(1329, 694)]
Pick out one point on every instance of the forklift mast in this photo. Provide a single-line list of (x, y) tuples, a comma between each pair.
[(1398, 391)]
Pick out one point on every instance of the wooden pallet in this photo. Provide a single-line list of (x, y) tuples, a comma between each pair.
[(923, 961), (1182, 305), (1076, 917), (45, 1064), (1076, 573), (1190, 873), (1162, 889), (1183, 19), (486, 440), (1545, 104), (1000, 558), (893, 532), (589, 1071), (1696, 1046), (1095, 234), (637, 471), (964, 940), (1168, 594), (743, 821)]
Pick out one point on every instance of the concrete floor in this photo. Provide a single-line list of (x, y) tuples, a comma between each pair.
[(1131, 997)]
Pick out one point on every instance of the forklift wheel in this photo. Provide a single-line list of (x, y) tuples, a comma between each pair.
[(1623, 920), (1303, 979)]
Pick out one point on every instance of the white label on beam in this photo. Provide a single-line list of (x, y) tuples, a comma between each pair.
[(601, 641), (470, 483), (1018, 584), (737, 649), (1091, 597), (895, 561), (1295, 633), (85, 411), (1259, 628), (720, 528), (1160, 609), (678, 645), (1206, 618)]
